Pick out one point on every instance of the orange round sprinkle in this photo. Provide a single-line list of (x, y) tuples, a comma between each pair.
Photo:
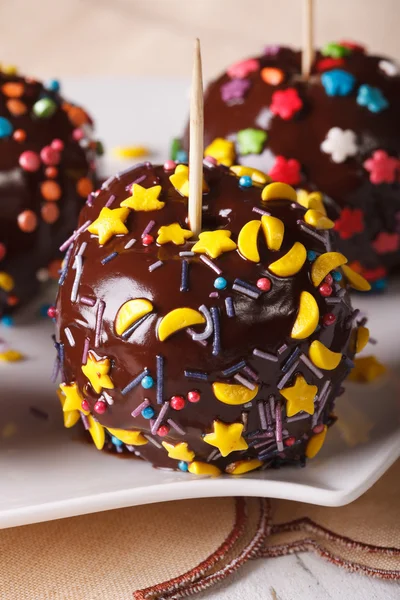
[(50, 212), (12, 300), (13, 89), (19, 135), (54, 268), (77, 116), (84, 186), (27, 221), (272, 75), (16, 107), (50, 190), (51, 172)]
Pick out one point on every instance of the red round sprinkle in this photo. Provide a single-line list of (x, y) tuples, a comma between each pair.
[(19, 135), (329, 279), (290, 441), (325, 290), (29, 161), (318, 428), (50, 156), (193, 396), (51, 172), (12, 300), (85, 405), (163, 430), (264, 284), (57, 145), (177, 402), (52, 312), (100, 407), (147, 240), (329, 319), (3, 251)]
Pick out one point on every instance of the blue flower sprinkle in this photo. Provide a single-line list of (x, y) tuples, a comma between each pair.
[(245, 181), (220, 283), (147, 382), (372, 98), (183, 466), (148, 412), (311, 255), (338, 82)]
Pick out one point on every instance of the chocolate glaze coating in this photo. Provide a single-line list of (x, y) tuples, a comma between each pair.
[(264, 323), (73, 171), (348, 183)]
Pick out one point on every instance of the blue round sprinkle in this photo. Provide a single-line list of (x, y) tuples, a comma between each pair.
[(6, 128), (337, 276), (148, 412), (183, 466), (53, 85), (147, 382), (311, 255), (220, 283), (245, 181), (116, 441), (7, 321), (181, 156), (379, 285)]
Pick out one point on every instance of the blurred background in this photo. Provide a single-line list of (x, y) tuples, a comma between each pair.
[(60, 38)]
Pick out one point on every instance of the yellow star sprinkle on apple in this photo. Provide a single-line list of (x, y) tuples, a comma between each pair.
[(73, 397), (299, 397), (173, 233), (222, 150), (227, 438), (97, 373), (71, 417), (180, 180), (144, 199), (214, 243), (179, 451), (110, 222)]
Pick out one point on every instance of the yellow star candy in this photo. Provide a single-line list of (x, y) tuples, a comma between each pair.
[(97, 432), (227, 438), (180, 180), (71, 417), (214, 243), (109, 223), (179, 451), (299, 397), (97, 373), (366, 369), (73, 398), (173, 233), (144, 199), (222, 150)]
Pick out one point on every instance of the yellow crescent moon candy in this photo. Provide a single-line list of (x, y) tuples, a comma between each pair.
[(130, 312), (318, 220), (132, 438), (362, 338), (274, 191), (315, 443), (307, 317), (177, 319), (234, 394), (201, 468), (256, 175), (291, 262), (243, 466), (322, 357), (324, 264), (247, 241), (356, 281), (274, 230)]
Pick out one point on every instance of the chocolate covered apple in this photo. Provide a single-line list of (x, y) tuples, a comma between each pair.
[(338, 132), (218, 354)]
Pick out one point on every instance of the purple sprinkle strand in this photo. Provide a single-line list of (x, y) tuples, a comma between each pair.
[(262, 415), (230, 309), (245, 382), (282, 348), (160, 378), (135, 413), (271, 401), (210, 264), (155, 265), (99, 320), (148, 228), (85, 351), (260, 211), (268, 413), (216, 349), (110, 201), (108, 258), (250, 373), (176, 427), (213, 295), (245, 291), (248, 286), (87, 301), (134, 382), (85, 421), (185, 276), (287, 375), (265, 355), (73, 237), (160, 417), (278, 426), (201, 375), (312, 367)]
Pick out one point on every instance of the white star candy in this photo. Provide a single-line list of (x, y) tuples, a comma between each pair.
[(389, 68), (340, 144)]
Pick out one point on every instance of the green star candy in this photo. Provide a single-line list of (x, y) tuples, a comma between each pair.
[(335, 50), (251, 141)]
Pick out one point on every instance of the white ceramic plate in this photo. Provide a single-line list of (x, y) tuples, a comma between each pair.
[(47, 474)]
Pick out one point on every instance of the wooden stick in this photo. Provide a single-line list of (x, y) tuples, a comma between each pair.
[(307, 56), (196, 144)]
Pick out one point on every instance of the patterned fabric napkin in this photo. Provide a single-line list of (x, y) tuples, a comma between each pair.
[(175, 549)]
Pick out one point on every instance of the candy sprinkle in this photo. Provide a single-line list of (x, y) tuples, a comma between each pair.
[(245, 291), (217, 331), (148, 228), (110, 201), (160, 378), (160, 417), (134, 382), (135, 326), (229, 307), (207, 261), (201, 375), (199, 337), (262, 415), (245, 382), (135, 413), (155, 265), (130, 244), (99, 318), (265, 355), (234, 369), (108, 258), (87, 301), (176, 427), (278, 426), (185, 276), (78, 266), (69, 336)]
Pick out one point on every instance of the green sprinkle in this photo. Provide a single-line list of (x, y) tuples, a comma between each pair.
[(175, 148), (251, 141), (44, 108), (335, 50)]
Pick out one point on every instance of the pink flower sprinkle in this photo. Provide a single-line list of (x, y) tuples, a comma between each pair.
[(385, 242), (382, 168), (241, 69), (286, 103), (286, 170)]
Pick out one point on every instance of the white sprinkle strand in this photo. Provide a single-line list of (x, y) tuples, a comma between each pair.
[(69, 336), (130, 244)]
